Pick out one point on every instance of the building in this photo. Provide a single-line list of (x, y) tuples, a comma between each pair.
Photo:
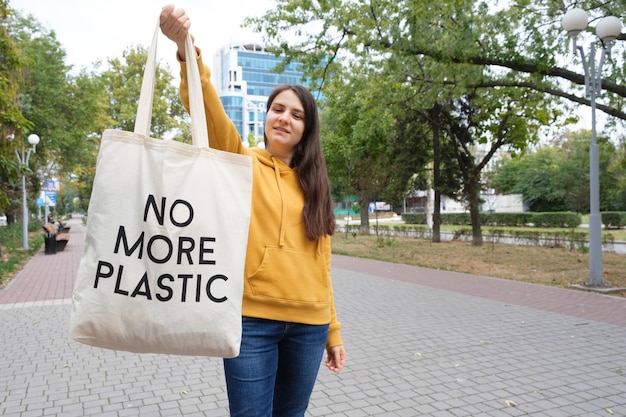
[(421, 201), (244, 78)]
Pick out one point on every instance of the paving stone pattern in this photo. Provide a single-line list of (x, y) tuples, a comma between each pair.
[(420, 343)]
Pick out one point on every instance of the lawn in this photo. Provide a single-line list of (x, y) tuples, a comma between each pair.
[(555, 266)]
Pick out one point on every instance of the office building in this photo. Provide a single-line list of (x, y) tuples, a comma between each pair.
[(244, 78)]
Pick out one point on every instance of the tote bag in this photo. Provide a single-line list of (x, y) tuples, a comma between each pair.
[(167, 228)]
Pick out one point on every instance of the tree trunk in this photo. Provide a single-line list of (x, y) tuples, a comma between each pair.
[(11, 216), (473, 196), (436, 238), (365, 217), (437, 217)]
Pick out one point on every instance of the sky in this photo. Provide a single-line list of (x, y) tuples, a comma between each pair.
[(100, 29)]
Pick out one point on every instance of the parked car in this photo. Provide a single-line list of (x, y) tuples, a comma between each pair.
[(3, 220)]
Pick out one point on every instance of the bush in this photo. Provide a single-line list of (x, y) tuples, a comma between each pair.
[(557, 219), (414, 218), (610, 219), (614, 219), (507, 219), (457, 219), (11, 235)]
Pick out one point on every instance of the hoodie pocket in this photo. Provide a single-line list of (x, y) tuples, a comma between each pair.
[(291, 275)]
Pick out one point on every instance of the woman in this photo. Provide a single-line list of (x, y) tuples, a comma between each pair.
[(288, 305)]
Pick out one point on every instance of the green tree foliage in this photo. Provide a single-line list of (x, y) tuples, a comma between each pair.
[(556, 177), (91, 114), (463, 55), (488, 121), (122, 83), (43, 92), (518, 42), (60, 109), (618, 169), (537, 177), (11, 118), (356, 140), (118, 88), (575, 166), (70, 112), (10, 74)]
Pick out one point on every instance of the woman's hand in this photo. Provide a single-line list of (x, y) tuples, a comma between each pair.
[(336, 358), (175, 25)]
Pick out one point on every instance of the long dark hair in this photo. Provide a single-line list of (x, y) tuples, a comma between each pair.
[(310, 165)]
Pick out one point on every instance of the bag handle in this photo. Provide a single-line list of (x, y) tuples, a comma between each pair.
[(199, 133)]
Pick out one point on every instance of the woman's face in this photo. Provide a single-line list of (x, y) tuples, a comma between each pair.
[(284, 125)]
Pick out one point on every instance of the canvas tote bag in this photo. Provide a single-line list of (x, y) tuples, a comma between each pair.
[(167, 228)]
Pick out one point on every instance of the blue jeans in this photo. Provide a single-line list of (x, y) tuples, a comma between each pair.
[(275, 372)]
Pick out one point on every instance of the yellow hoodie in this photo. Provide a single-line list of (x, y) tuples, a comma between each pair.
[(287, 277)]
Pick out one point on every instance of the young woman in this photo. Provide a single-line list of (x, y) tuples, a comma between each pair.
[(288, 305)]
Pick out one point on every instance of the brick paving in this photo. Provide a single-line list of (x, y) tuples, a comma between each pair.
[(420, 342), (47, 277)]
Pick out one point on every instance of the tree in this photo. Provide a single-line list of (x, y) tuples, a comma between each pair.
[(118, 89), (91, 113), (538, 177), (70, 112), (575, 147), (519, 42), (356, 148), (60, 109), (432, 48), (11, 118), (556, 177), (618, 169), (122, 83), (43, 91), (493, 120), (376, 141)]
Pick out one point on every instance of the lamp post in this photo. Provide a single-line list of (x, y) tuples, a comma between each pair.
[(607, 29), (23, 161)]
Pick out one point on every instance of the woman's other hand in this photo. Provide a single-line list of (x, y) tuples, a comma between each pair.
[(336, 358)]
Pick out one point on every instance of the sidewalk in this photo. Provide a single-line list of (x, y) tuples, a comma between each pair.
[(420, 342), (47, 278)]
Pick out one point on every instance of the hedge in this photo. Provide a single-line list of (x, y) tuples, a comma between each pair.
[(614, 219), (549, 219)]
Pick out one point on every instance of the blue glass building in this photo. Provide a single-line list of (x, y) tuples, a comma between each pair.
[(244, 78)]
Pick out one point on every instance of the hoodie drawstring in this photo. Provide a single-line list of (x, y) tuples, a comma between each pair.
[(281, 239)]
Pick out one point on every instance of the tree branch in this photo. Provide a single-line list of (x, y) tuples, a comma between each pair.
[(532, 68), (524, 67), (555, 92)]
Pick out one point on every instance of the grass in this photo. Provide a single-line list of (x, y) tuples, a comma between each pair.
[(618, 235), (12, 256), (554, 266)]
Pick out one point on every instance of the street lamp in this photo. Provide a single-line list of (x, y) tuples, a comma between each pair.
[(22, 160), (607, 29)]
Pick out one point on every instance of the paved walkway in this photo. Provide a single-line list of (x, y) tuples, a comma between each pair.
[(420, 342)]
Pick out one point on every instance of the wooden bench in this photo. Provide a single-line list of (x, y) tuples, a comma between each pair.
[(61, 238)]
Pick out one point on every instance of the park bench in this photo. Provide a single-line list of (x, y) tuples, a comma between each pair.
[(61, 238)]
